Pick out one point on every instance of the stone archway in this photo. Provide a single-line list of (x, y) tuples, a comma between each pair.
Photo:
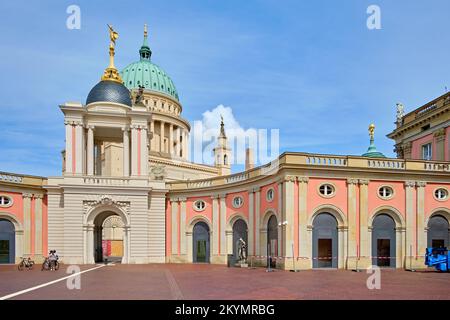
[(190, 236), (14, 236), (341, 229), (400, 228), (92, 232)]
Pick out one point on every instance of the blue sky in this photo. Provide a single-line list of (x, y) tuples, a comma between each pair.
[(309, 68)]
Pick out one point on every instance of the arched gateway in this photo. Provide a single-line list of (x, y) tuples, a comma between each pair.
[(95, 248)]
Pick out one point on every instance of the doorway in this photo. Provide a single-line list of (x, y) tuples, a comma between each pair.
[(201, 246), (325, 241), (383, 241), (108, 237), (438, 232), (272, 240), (7, 242)]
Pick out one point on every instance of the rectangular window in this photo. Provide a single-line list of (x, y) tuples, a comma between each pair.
[(426, 152)]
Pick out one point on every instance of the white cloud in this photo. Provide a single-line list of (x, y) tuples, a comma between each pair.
[(205, 132)]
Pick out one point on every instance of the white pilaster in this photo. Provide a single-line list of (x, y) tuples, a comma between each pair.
[(171, 139), (134, 151), (161, 136), (27, 223), (126, 151), (144, 151), (79, 148), (38, 225), (68, 168), (90, 150), (178, 142)]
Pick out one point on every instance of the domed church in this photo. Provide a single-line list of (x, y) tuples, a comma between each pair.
[(129, 193)]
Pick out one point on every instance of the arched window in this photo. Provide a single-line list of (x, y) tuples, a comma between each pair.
[(225, 160)]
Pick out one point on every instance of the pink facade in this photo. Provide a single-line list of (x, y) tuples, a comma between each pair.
[(416, 148), (15, 213)]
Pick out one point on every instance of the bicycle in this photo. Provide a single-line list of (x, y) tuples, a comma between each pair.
[(26, 263), (50, 264)]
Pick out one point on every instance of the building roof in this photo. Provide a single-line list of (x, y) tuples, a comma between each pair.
[(147, 74)]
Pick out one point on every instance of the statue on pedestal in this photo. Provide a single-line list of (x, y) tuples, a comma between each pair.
[(242, 250)]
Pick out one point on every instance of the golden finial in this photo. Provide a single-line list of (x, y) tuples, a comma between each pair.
[(145, 30), (371, 131), (111, 72)]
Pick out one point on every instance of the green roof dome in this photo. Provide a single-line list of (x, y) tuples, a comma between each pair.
[(372, 151), (147, 74)]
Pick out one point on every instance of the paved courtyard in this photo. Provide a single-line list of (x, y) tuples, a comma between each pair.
[(204, 282)]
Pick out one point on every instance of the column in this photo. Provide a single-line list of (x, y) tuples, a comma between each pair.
[(152, 135), (439, 136), (289, 228), (134, 150), (38, 225), (186, 149), (161, 137), (98, 159), (215, 226), (68, 126), (257, 218), (352, 222), (229, 237), (90, 244), (79, 148), (420, 226), (251, 225), (182, 225), (184, 143), (27, 223), (304, 249), (364, 249), (171, 139), (178, 142), (410, 223), (126, 244), (280, 219), (223, 221), (126, 151), (90, 150), (174, 223), (143, 151)]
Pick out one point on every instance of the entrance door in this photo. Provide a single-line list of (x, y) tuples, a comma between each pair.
[(7, 242), (383, 251), (383, 241), (325, 253), (272, 240), (438, 232), (325, 241), (201, 243)]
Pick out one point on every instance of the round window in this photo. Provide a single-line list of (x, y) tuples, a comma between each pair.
[(238, 202), (270, 194), (385, 192), (199, 205), (5, 201), (441, 194), (326, 190)]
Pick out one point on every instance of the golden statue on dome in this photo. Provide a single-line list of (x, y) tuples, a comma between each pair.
[(111, 73), (371, 131)]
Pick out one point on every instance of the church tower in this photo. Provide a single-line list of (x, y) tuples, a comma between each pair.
[(222, 152)]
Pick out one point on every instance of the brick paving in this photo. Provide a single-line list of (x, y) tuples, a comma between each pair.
[(204, 282)]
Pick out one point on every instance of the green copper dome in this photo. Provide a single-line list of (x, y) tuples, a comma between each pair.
[(147, 74), (372, 151)]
